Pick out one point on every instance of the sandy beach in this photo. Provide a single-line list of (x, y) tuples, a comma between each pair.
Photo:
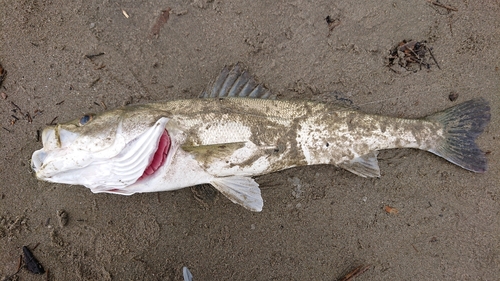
[(423, 219)]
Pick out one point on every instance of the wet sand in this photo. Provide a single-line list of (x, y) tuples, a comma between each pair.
[(318, 223)]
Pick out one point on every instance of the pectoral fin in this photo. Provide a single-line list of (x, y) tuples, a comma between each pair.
[(364, 165), (241, 190), (205, 153)]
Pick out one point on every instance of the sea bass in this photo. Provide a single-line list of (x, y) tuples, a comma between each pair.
[(237, 130)]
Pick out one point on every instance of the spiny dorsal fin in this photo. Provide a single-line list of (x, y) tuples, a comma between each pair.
[(235, 82)]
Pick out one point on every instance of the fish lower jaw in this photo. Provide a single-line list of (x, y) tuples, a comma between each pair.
[(159, 156)]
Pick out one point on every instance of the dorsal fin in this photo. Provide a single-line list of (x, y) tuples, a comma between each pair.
[(235, 82)]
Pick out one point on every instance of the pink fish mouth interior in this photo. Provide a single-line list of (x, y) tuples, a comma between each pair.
[(159, 156)]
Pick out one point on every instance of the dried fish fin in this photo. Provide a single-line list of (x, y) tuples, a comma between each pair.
[(365, 165), (240, 190), (462, 124), (186, 274), (235, 82), (204, 153)]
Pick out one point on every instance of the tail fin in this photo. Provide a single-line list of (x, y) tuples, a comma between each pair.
[(462, 124)]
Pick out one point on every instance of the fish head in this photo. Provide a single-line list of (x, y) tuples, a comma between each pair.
[(104, 152)]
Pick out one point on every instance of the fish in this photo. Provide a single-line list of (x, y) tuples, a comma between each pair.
[(236, 130)]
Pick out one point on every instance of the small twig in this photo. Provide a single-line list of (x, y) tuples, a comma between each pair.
[(356, 272), (390, 68), (30, 120), (19, 264), (3, 73), (94, 82), (16, 106), (93, 56), (414, 248), (449, 8), (433, 58), (59, 103), (417, 57), (14, 116), (52, 122), (450, 23), (7, 130)]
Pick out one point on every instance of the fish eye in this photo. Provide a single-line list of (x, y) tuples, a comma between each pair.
[(85, 119)]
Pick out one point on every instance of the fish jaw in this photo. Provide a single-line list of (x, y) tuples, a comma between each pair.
[(61, 162), (113, 168)]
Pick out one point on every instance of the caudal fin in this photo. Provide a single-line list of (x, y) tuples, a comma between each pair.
[(462, 124)]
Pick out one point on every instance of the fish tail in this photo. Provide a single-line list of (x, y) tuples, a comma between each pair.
[(462, 124)]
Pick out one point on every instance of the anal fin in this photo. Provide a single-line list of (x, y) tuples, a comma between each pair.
[(240, 190), (365, 165)]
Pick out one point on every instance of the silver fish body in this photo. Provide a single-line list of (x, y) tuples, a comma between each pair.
[(237, 131)]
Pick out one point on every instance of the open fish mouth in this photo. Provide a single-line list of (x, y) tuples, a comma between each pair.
[(110, 170), (157, 160)]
